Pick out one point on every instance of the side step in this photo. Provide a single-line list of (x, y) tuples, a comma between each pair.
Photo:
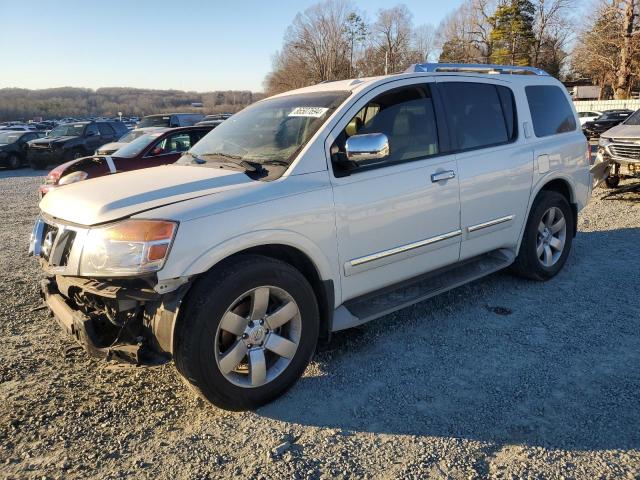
[(382, 302)]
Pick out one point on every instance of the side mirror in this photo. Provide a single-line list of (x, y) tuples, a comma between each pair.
[(366, 147), (91, 134)]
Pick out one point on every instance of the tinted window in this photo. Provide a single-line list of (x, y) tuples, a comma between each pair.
[(480, 114), (550, 110), (406, 117), (91, 129), (105, 129)]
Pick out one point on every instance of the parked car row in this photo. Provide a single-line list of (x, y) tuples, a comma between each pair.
[(72, 140), (14, 146), (154, 147), (606, 120)]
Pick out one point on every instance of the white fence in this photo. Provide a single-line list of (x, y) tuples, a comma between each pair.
[(601, 105)]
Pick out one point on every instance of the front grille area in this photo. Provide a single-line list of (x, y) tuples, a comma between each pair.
[(54, 244), (49, 235), (629, 151)]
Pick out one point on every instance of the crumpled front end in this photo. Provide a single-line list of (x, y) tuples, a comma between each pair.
[(123, 319)]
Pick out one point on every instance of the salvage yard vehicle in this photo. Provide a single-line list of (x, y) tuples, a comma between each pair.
[(159, 146), (619, 148), (608, 119), (72, 140), (110, 148), (314, 211), (13, 147), (170, 120), (588, 116)]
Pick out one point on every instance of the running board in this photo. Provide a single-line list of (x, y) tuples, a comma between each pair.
[(382, 302)]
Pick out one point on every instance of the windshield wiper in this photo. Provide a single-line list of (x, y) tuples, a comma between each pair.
[(226, 159), (279, 163)]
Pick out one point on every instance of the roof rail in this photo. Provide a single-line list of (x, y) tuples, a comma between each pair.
[(474, 68)]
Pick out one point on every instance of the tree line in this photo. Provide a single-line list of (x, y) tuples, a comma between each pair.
[(19, 103), (334, 40)]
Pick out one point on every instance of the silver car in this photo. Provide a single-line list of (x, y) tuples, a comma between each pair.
[(619, 147)]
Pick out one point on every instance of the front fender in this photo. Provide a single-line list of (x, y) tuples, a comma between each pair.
[(218, 252)]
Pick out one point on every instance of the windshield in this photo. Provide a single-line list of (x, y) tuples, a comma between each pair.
[(136, 146), (269, 131), (155, 121), (634, 119), (9, 137), (130, 136), (68, 130)]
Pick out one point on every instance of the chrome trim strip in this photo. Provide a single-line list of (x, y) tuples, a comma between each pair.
[(490, 223), (403, 248)]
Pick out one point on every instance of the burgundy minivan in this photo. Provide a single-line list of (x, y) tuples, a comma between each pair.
[(159, 147)]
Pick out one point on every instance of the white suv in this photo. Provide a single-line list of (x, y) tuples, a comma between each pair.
[(311, 212)]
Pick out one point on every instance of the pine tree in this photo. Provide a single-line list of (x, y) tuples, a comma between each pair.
[(512, 32)]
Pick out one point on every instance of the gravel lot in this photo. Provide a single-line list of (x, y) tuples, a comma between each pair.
[(502, 378)]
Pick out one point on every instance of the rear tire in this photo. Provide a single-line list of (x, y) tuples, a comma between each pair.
[(203, 342), (547, 238)]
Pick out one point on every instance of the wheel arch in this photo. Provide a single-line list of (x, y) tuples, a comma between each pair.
[(558, 184), (318, 277), (564, 188)]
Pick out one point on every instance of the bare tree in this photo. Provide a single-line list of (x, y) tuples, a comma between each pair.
[(465, 34), (628, 49), (315, 49), (608, 50), (424, 42), (392, 36)]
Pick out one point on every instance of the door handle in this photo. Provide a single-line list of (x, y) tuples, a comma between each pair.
[(443, 176)]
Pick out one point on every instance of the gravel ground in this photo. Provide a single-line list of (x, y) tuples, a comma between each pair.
[(502, 378)]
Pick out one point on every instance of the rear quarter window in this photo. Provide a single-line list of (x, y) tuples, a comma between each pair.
[(550, 110)]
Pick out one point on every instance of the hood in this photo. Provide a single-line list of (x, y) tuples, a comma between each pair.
[(71, 165), (627, 132), (109, 198), (50, 140)]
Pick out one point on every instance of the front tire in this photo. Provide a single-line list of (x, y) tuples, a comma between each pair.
[(612, 181), (247, 332), (13, 162), (547, 238)]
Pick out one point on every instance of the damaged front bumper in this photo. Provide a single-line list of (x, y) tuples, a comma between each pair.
[(115, 320)]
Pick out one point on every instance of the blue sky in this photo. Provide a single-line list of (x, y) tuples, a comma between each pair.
[(184, 44)]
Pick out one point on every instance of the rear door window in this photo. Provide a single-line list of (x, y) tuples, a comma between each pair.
[(106, 130), (91, 129), (480, 114), (550, 110)]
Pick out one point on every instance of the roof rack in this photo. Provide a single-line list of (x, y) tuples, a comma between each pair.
[(474, 68)]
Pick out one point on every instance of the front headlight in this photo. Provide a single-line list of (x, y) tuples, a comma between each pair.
[(73, 177), (127, 248)]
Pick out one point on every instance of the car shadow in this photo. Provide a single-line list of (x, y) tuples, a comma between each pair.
[(628, 192), (505, 360)]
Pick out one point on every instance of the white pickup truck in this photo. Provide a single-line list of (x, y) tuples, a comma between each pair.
[(311, 212)]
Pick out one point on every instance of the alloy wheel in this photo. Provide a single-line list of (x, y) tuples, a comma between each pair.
[(551, 237), (258, 336)]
